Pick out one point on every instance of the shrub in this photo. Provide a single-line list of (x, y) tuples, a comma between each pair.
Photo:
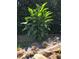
[(37, 23)]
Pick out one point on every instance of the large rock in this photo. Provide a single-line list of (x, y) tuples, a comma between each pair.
[(50, 49), (20, 52), (39, 56)]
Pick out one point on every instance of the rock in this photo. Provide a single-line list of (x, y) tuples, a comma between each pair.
[(39, 56), (29, 48), (45, 44), (20, 52), (51, 51), (53, 56)]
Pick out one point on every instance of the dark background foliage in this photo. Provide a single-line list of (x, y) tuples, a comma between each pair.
[(53, 5)]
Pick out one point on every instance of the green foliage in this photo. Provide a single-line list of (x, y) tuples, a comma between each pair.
[(37, 23), (53, 5)]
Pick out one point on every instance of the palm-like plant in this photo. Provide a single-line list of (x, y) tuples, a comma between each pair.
[(37, 23)]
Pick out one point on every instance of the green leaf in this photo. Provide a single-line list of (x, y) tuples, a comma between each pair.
[(24, 29), (49, 17), (38, 6), (48, 13), (45, 9), (30, 11), (39, 14), (24, 22), (42, 7), (48, 20), (27, 18)]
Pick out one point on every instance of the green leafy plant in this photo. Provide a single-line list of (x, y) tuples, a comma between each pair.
[(37, 23)]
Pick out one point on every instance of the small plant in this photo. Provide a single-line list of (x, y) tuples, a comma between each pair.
[(37, 23)]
